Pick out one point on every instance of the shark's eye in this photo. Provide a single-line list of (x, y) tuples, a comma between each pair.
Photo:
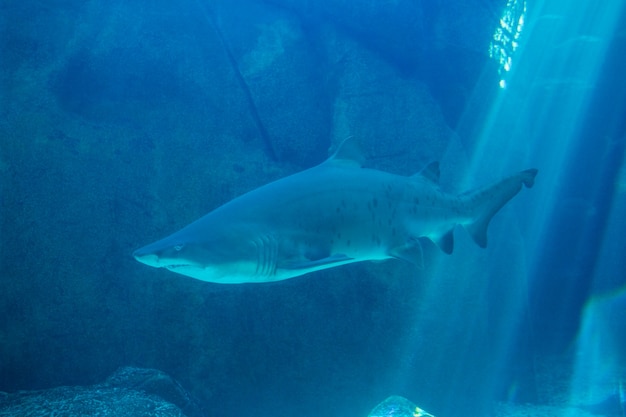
[(177, 248)]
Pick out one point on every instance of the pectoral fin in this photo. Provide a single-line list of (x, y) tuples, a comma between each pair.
[(322, 263)]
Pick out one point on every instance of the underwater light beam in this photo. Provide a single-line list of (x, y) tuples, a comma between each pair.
[(506, 37)]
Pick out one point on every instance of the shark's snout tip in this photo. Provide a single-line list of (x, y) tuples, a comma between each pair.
[(145, 257)]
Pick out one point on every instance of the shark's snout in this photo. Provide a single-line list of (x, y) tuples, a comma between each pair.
[(146, 257)]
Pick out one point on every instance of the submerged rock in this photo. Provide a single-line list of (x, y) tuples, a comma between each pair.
[(128, 392), (396, 406)]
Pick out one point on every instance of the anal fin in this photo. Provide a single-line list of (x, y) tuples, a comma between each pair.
[(445, 242)]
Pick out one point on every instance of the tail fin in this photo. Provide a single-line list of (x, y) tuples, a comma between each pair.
[(489, 200)]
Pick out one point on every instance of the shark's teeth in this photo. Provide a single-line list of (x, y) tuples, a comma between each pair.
[(176, 266)]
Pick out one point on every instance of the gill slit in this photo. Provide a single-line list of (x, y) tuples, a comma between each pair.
[(267, 254)]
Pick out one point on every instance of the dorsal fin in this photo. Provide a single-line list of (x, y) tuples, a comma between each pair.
[(430, 172), (348, 153)]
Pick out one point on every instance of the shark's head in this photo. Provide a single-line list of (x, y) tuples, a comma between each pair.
[(207, 260)]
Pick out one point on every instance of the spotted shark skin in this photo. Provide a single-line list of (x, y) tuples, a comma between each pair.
[(330, 215)]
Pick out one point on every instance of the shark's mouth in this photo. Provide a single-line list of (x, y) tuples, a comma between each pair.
[(176, 266)]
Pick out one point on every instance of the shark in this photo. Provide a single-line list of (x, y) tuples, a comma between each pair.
[(333, 214)]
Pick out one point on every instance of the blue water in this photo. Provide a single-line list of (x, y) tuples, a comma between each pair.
[(121, 122)]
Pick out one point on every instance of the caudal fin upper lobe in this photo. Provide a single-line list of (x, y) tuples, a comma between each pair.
[(489, 200)]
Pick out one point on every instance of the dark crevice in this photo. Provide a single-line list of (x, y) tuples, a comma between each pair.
[(265, 136)]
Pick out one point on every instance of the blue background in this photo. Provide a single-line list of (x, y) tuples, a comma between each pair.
[(122, 121)]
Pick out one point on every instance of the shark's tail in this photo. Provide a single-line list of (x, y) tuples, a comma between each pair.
[(486, 202)]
